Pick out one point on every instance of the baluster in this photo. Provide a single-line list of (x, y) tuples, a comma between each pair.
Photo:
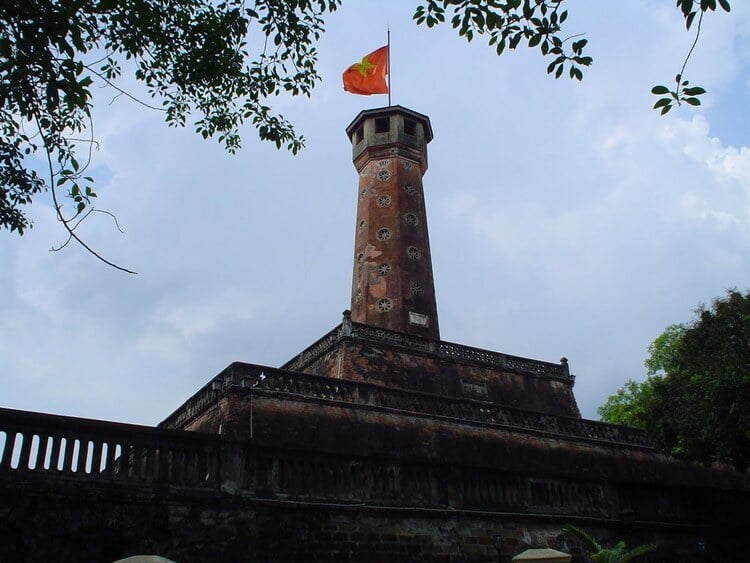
[(54, 458), (67, 461), (202, 466), (150, 454), (83, 450), (179, 460), (24, 457), (109, 463), (189, 470), (42, 452), (164, 473), (141, 454), (96, 457), (131, 460), (212, 467), (191, 467), (10, 439), (256, 478)]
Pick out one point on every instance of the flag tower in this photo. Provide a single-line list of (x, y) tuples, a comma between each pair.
[(392, 283)]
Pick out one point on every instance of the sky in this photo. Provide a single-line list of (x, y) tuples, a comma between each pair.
[(566, 218)]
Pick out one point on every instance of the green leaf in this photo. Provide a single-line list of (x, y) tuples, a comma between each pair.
[(587, 539), (725, 5), (662, 102), (693, 101), (659, 90), (689, 19), (694, 91), (636, 552)]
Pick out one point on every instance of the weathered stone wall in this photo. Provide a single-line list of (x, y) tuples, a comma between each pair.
[(81, 490), (90, 523), (396, 368), (296, 422)]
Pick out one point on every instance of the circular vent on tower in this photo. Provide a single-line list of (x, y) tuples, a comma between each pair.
[(383, 163), (361, 226), (384, 269), (384, 200), (384, 305), (363, 194), (383, 234), (416, 289), (358, 296), (406, 164), (409, 188), (414, 253), (383, 175), (412, 219)]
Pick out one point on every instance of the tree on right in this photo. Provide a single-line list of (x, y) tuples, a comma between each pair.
[(695, 404)]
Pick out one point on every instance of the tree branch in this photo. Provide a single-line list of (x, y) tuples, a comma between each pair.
[(65, 222)]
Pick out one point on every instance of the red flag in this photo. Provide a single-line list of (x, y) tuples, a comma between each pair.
[(368, 75)]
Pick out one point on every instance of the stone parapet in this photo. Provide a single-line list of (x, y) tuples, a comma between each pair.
[(439, 349), (73, 489), (240, 376)]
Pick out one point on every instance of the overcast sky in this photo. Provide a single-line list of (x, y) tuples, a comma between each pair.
[(566, 218)]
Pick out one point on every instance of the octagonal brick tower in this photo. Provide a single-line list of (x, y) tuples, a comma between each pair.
[(392, 284)]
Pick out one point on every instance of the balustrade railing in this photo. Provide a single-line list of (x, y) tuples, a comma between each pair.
[(56, 448), (65, 446), (266, 379), (438, 348)]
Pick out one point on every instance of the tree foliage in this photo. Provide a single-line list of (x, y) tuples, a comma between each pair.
[(192, 56), (196, 63), (696, 401), (627, 406), (538, 23)]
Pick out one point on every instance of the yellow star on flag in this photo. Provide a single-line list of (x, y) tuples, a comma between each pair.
[(364, 66)]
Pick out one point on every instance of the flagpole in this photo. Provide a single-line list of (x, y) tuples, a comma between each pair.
[(389, 66)]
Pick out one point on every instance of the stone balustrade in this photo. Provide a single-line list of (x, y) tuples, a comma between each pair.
[(96, 450), (436, 348), (57, 448), (266, 379)]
